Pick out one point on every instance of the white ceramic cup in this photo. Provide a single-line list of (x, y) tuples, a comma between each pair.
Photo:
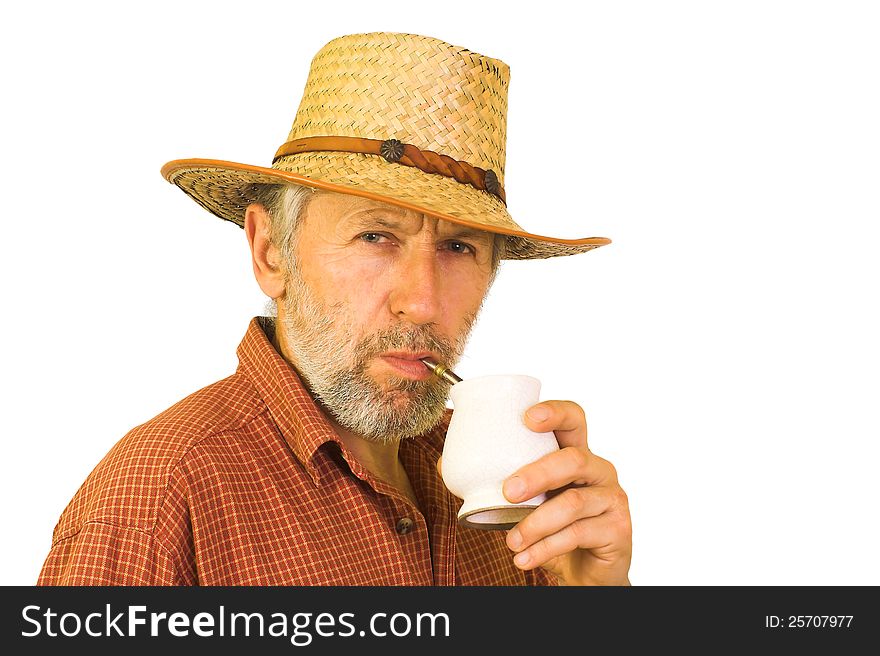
[(486, 442)]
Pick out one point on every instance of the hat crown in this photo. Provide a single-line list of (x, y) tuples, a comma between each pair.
[(416, 89)]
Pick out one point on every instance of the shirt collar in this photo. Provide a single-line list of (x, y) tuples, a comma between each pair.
[(301, 422)]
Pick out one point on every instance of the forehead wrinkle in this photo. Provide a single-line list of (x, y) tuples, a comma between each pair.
[(373, 221), (379, 211)]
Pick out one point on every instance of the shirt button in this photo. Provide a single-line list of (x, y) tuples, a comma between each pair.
[(404, 525)]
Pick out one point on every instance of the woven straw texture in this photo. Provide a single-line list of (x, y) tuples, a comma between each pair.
[(416, 89), (438, 97)]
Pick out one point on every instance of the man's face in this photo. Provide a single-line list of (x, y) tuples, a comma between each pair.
[(374, 288)]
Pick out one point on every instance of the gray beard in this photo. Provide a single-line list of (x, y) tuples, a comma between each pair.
[(333, 366)]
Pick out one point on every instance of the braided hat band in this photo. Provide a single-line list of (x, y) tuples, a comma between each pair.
[(403, 119), (393, 150)]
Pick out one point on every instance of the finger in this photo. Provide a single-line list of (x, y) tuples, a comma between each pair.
[(555, 514), (558, 469), (565, 418), (440, 466), (603, 535)]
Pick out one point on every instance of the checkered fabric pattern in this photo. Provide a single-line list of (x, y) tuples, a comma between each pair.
[(246, 483)]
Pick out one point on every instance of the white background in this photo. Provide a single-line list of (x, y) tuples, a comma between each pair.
[(725, 346)]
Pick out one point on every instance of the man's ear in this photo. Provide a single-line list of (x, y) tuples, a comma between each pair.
[(268, 267)]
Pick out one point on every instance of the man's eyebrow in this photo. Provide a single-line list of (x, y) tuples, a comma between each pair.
[(463, 232), (371, 218)]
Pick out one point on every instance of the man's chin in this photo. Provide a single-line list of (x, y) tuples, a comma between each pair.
[(392, 420), (402, 400)]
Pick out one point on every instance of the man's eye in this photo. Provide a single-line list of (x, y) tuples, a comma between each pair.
[(460, 247), (372, 237)]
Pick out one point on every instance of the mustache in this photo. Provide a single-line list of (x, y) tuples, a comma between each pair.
[(410, 338)]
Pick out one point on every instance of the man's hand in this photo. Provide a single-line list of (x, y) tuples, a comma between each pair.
[(583, 532)]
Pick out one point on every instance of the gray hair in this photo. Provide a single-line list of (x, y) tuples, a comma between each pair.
[(286, 204)]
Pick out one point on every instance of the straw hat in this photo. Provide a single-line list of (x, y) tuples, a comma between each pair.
[(398, 118)]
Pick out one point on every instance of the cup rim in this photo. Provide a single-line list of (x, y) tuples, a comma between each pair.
[(476, 379)]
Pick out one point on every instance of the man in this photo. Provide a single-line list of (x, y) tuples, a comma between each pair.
[(377, 232)]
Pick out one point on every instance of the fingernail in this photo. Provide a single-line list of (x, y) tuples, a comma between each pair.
[(522, 559), (514, 488), (514, 539), (538, 413)]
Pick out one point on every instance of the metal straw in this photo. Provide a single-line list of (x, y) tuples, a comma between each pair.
[(441, 371)]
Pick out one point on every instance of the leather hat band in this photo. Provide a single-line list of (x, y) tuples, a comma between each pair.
[(395, 151)]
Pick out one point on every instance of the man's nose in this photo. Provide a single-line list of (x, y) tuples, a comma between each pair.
[(417, 288)]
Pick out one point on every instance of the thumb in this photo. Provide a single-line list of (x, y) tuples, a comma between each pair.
[(440, 466)]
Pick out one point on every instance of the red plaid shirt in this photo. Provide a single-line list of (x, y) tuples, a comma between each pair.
[(246, 483)]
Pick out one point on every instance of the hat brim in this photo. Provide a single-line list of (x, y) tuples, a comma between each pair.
[(226, 189)]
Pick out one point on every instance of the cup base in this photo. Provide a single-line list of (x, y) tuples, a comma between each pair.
[(495, 518), (491, 511)]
